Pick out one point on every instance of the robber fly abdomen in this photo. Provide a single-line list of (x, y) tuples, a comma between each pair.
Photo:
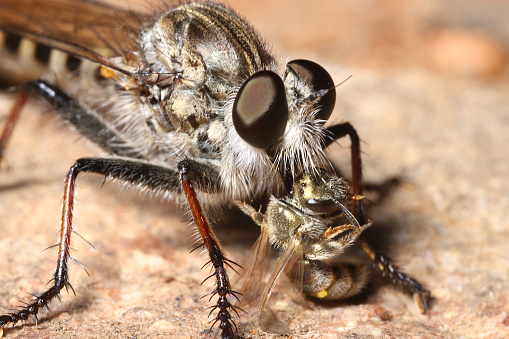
[(186, 101), (23, 60)]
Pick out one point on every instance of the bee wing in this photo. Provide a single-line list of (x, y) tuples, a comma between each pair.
[(267, 318), (85, 29), (256, 265), (256, 291)]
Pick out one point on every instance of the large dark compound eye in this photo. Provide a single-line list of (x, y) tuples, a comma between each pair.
[(320, 82), (260, 109)]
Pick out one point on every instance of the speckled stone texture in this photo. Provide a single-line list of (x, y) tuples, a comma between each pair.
[(429, 98)]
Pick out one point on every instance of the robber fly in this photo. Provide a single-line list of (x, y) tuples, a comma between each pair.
[(186, 101)]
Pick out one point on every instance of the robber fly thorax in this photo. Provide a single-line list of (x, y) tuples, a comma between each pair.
[(187, 101)]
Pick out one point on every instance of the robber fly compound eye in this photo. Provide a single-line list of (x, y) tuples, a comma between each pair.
[(320, 83), (260, 110)]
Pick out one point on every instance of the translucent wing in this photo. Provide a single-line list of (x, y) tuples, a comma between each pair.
[(267, 318), (256, 267), (288, 270), (85, 29)]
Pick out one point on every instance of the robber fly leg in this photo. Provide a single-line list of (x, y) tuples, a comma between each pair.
[(61, 275), (192, 173), (133, 171), (87, 122), (338, 131), (383, 189), (421, 295), (13, 117)]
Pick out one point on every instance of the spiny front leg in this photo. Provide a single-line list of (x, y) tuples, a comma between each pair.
[(421, 295), (217, 258)]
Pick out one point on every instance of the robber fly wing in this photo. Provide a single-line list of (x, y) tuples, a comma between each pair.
[(85, 29)]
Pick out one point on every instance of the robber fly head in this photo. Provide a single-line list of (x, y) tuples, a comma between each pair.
[(284, 115), (272, 121)]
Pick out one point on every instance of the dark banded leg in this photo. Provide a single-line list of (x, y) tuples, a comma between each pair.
[(132, 171), (153, 177), (421, 295)]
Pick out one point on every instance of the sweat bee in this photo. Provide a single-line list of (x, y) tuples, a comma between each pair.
[(188, 101), (305, 226), (313, 228)]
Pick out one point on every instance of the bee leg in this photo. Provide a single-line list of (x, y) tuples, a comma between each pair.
[(338, 131), (217, 258), (421, 295), (88, 123), (257, 216)]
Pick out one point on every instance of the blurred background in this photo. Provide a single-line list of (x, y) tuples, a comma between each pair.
[(453, 38)]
